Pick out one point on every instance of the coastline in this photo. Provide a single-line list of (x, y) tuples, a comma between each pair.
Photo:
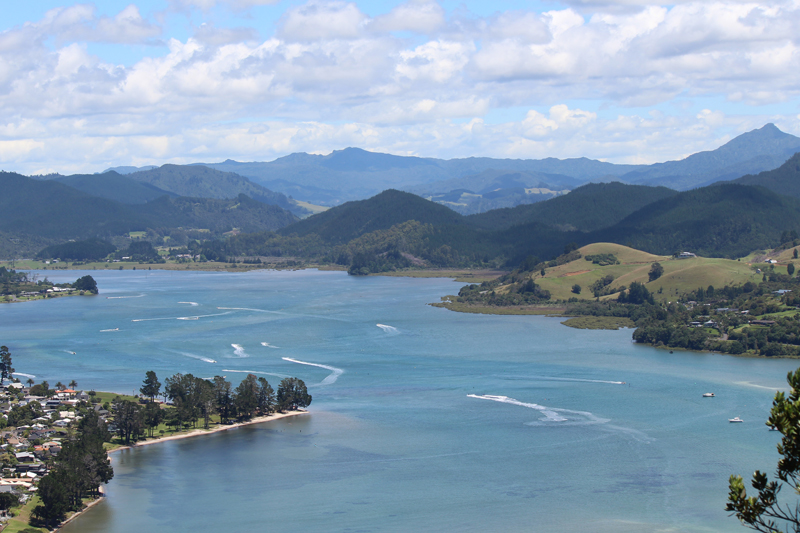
[(186, 435)]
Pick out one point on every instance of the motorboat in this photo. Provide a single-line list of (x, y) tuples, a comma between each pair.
[(708, 395), (737, 419)]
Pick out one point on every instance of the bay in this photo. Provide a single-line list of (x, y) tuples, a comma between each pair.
[(422, 419)]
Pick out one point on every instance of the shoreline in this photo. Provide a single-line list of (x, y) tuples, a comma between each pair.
[(186, 435)]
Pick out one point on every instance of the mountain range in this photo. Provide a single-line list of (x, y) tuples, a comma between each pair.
[(478, 184)]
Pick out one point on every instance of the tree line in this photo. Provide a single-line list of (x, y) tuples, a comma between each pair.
[(194, 399)]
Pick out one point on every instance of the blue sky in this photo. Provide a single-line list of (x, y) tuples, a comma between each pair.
[(85, 86)]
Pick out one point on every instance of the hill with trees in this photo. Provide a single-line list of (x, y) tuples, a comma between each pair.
[(53, 210), (587, 208), (782, 180), (113, 186)]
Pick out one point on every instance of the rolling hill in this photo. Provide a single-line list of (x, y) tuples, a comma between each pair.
[(782, 180), (113, 186)]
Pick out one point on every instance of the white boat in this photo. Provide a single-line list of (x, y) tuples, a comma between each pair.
[(708, 395), (737, 419), (773, 428)]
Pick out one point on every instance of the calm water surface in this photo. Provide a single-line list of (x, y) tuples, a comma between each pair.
[(422, 419)]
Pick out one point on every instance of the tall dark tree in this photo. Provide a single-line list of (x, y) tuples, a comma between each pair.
[(246, 397), (292, 394), (54, 493), (5, 364), (128, 419), (790, 269), (223, 398), (656, 271), (152, 416), (151, 386), (266, 396)]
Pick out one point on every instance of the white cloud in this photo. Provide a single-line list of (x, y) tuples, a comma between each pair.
[(413, 80)]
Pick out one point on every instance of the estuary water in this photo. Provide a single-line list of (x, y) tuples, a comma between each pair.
[(422, 419)]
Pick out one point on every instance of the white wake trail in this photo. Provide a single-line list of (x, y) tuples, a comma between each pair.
[(195, 317), (123, 297), (335, 372), (238, 350), (198, 357), (550, 415), (24, 375), (388, 329), (193, 304), (268, 345), (107, 330), (256, 372)]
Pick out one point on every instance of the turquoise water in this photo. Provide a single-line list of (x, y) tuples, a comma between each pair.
[(422, 419)]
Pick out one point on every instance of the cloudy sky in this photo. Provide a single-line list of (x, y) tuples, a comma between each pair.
[(85, 86)]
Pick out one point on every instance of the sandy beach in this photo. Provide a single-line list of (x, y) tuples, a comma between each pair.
[(188, 434)]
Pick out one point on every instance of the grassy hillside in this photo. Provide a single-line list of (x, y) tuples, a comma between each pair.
[(113, 186), (680, 275), (587, 208)]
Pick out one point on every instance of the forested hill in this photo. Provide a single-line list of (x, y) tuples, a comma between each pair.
[(587, 208), (783, 180), (113, 186), (198, 181), (350, 220), (726, 220), (53, 210)]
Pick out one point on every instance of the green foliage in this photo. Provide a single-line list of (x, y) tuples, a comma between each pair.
[(292, 394), (576, 289), (602, 259), (587, 208), (764, 512), (151, 387), (88, 250), (656, 271), (86, 284), (5, 364), (637, 294)]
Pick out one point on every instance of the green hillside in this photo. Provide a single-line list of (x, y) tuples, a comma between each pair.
[(53, 210), (587, 208), (113, 186), (348, 221), (727, 220), (783, 180), (198, 181)]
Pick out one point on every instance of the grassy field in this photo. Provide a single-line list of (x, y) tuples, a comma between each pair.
[(311, 207), (494, 310), (680, 275), (22, 515)]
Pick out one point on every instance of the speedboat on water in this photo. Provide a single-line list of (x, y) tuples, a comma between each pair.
[(737, 419), (708, 395)]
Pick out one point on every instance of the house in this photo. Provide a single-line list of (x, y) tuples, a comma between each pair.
[(782, 292), (25, 457), (66, 394), (686, 255)]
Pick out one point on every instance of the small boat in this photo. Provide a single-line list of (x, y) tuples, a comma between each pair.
[(737, 419), (773, 428), (708, 395), (73, 353)]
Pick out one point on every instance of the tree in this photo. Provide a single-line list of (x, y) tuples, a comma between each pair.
[(152, 416), (576, 289), (222, 398), (8, 500), (60, 386), (266, 396), (794, 253), (292, 393), (5, 364), (656, 271), (763, 512), (246, 397), (86, 283), (55, 499), (128, 419), (790, 268), (151, 385)]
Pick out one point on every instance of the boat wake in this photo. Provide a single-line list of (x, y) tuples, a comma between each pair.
[(198, 357), (334, 375), (106, 330), (550, 414), (571, 380), (238, 352), (24, 375), (123, 297), (268, 345), (196, 317), (388, 329), (193, 304)]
